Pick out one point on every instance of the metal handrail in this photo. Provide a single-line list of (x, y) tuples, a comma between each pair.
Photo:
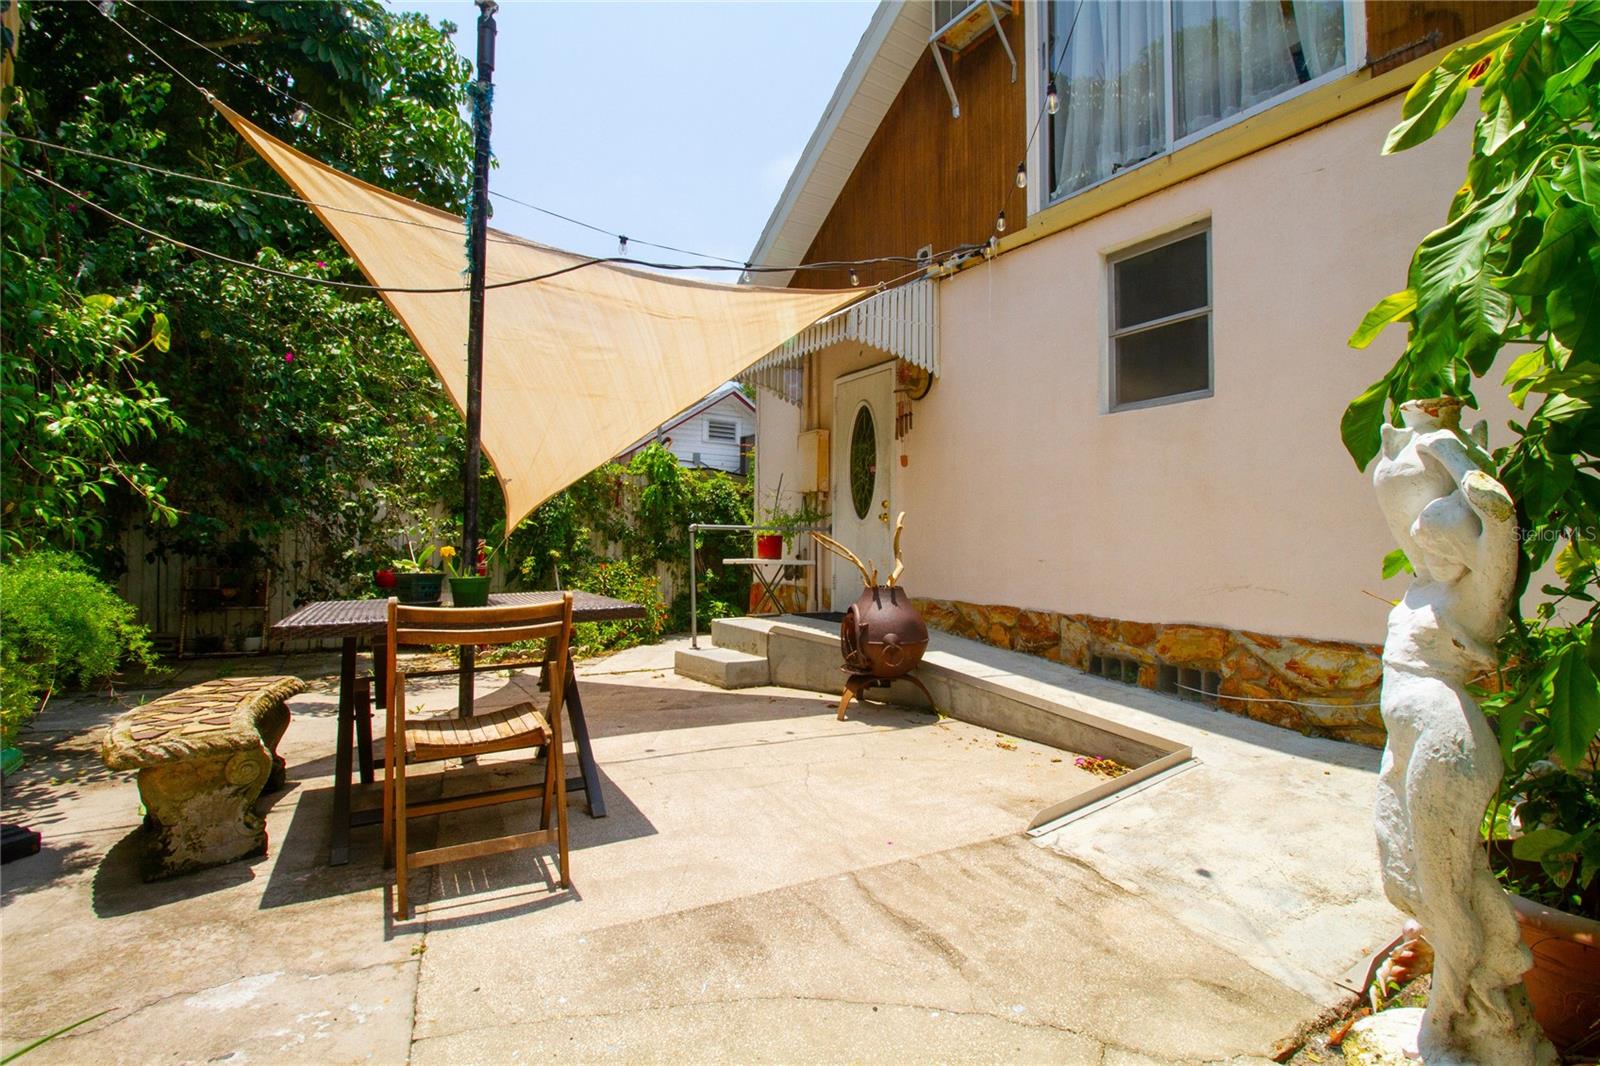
[(694, 570)]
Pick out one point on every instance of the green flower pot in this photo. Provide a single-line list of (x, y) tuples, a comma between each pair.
[(418, 590), (469, 591)]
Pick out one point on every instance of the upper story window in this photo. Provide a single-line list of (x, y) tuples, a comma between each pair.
[(1136, 80)]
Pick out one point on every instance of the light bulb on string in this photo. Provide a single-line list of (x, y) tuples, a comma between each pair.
[(855, 279), (1000, 223), (1022, 175), (1052, 100), (622, 245)]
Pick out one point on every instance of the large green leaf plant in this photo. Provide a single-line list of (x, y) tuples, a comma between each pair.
[(213, 403), (1512, 281)]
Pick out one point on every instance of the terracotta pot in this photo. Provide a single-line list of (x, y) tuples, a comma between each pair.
[(883, 634), (769, 546), (1564, 984)]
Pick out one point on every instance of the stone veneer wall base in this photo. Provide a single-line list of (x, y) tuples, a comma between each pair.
[(1316, 687)]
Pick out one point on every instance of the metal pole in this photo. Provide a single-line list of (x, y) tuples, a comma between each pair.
[(477, 245), (694, 582)]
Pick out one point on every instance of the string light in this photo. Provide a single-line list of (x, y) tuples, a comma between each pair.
[(302, 114), (1052, 100), (1000, 223), (1022, 175)]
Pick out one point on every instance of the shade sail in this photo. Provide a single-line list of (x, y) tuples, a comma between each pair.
[(575, 367)]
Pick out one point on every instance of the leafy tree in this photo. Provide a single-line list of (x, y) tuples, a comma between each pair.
[(1517, 266), (254, 404)]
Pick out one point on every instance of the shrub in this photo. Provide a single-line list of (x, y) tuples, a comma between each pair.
[(59, 625), (621, 580)]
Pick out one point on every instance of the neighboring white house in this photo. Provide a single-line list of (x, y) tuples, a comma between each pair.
[(711, 435)]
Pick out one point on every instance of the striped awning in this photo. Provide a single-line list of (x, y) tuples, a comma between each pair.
[(903, 322)]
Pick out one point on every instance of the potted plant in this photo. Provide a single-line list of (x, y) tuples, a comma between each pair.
[(780, 525), (469, 586), (1543, 831), (238, 566), (417, 581), (1514, 268)]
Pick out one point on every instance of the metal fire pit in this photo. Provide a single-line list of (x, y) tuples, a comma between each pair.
[(883, 638)]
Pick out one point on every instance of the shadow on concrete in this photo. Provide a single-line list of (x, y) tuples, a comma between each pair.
[(119, 887), (301, 872), (471, 892)]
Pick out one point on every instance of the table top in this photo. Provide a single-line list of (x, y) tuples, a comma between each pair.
[(773, 562), (369, 618)]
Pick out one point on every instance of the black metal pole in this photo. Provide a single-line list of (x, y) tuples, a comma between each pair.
[(478, 241)]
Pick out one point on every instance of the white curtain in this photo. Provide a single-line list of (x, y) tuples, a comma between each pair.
[(1230, 55), (1321, 25), (1112, 83)]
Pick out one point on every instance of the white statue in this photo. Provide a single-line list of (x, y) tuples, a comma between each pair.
[(1441, 765)]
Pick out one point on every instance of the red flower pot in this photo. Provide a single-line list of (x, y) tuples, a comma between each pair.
[(384, 578), (769, 546)]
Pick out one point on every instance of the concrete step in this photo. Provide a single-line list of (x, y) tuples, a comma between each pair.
[(722, 667), (748, 635)]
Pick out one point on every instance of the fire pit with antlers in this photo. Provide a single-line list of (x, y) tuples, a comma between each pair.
[(882, 636)]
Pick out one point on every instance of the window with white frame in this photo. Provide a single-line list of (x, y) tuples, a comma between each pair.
[(722, 430), (1161, 320), (1135, 80)]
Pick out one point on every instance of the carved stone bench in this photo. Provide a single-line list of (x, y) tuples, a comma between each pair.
[(204, 755)]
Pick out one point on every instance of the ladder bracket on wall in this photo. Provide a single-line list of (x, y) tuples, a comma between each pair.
[(937, 45)]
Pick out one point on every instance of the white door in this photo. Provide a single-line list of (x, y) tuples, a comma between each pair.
[(863, 445)]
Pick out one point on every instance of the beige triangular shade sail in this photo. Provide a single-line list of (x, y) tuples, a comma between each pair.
[(575, 367)]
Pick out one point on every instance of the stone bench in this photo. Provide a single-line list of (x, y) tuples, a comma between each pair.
[(204, 754)]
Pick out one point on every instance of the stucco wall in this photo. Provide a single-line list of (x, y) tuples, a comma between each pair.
[(1238, 510)]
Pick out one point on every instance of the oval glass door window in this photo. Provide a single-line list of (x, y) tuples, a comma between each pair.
[(863, 462)]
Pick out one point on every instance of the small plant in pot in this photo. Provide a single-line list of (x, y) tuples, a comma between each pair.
[(417, 581), (781, 526), (238, 572), (469, 585), (1543, 830)]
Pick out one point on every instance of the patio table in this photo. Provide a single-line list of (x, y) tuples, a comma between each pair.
[(365, 621), (769, 592)]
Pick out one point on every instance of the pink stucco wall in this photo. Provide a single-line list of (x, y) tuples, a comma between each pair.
[(1240, 510)]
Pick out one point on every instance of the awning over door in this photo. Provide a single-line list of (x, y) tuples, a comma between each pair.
[(903, 322)]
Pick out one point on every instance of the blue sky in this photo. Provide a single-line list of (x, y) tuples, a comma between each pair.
[(670, 122)]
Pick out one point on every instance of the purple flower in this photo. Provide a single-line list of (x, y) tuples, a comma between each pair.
[(72, 209), (288, 357), (321, 265)]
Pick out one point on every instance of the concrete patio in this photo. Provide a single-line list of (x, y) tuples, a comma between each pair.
[(770, 885)]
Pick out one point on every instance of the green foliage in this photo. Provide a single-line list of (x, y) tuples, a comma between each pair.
[(249, 405), (639, 516), (1517, 265), (59, 625), (622, 580)]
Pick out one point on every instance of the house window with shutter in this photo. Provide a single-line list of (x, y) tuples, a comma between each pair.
[(1160, 318), (722, 430)]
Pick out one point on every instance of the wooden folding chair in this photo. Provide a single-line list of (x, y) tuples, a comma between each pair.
[(409, 742)]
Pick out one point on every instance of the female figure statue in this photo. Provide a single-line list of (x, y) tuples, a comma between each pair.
[(1441, 765)]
